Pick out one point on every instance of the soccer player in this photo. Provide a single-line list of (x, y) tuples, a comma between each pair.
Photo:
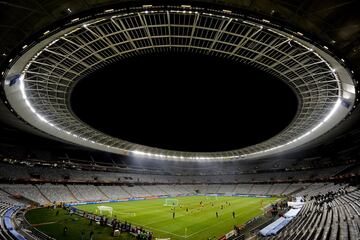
[(233, 213), (65, 230), (173, 214), (217, 215)]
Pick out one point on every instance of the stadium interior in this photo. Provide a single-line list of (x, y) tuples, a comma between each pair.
[(174, 120)]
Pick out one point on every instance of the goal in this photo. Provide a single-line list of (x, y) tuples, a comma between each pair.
[(171, 202), (104, 209), (211, 197)]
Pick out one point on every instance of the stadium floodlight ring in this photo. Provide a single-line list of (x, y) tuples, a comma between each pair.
[(47, 70)]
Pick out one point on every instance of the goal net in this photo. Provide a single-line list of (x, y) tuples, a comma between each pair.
[(212, 197), (104, 209), (171, 202)]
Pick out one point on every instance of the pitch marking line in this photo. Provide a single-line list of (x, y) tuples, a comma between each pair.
[(42, 224), (156, 229), (222, 222), (181, 236), (184, 236)]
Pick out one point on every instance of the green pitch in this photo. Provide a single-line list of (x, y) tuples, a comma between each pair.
[(47, 221), (192, 220)]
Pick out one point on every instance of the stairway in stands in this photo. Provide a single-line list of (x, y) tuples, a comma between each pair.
[(250, 189), (72, 194), (130, 195), (100, 190), (270, 189), (145, 190), (287, 187), (345, 170), (47, 199)]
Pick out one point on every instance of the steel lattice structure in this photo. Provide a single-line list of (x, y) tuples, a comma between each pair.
[(50, 68)]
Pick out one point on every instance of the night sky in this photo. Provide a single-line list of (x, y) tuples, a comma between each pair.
[(185, 102)]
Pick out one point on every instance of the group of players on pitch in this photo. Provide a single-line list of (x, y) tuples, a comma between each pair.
[(202, 205)]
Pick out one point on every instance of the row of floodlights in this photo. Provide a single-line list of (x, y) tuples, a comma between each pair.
[(141, 153)]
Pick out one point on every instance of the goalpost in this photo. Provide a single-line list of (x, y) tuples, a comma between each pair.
[(211, 197), (104, 209), (170, 202)]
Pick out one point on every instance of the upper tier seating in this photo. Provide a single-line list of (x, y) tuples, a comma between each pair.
[(13, 172)]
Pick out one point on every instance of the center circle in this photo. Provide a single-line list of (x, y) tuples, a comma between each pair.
[(185, 102)]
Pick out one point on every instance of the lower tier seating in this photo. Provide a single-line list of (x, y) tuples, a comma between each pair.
[(334, 215)]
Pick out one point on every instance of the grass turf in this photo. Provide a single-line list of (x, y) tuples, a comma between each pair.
[(46, 221), (196, 223)]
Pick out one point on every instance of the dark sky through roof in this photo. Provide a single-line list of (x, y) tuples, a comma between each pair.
[(187, 102)]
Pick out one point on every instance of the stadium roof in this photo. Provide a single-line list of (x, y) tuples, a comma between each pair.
[(48, 65)]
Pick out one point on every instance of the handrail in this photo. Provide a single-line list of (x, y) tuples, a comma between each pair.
[(9, 225)]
